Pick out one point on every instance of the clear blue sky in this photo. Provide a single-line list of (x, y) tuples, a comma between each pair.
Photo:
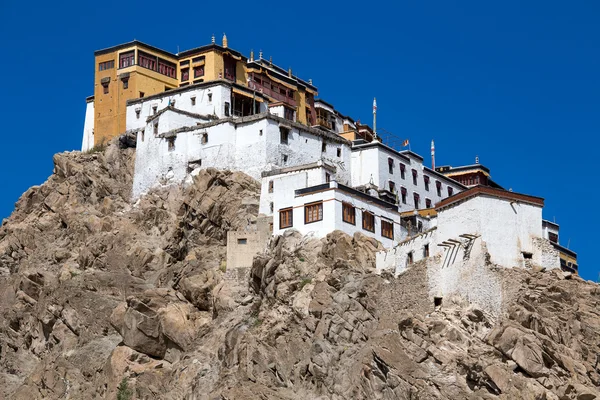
[(517, 84)]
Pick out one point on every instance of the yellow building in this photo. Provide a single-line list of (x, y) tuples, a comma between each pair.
[(133, 70)]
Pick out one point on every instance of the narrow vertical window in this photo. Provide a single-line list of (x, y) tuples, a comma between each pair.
[(270, 186), (438, 186), (390, 165), (171, 142), (348, 213), (283, 135), (387, 229), (450, 191)]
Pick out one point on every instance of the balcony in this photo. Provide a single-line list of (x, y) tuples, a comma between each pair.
[(324, 123)]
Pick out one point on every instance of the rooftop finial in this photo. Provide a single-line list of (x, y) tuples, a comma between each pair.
[(224, 40), (476, 159), (252, 55), (212, 39), (260, 54), (290, 72), (374, 118), (310, 81), (271, 60)]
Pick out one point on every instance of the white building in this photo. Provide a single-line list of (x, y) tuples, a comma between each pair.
[(87, 142), (402, 174)]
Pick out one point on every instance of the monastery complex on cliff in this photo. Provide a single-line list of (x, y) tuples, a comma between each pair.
[(320, 170)]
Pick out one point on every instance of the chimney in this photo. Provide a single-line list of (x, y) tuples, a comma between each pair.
[(290, 72), (251, 55), (212, 39), (224, 40)]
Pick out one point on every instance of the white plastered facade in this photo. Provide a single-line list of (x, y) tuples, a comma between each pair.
[(87, 142)]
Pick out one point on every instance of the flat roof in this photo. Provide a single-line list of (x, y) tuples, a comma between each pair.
[(545, 221), (281, 73), (347, 189), (133, 43), (489, 191), (302, 167), (564, 250), (463, 168)]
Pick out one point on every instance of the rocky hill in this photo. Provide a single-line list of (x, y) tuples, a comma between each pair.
[(101, 298)]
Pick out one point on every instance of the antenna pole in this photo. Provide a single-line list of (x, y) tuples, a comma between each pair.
[(432, 155), (374, 117)]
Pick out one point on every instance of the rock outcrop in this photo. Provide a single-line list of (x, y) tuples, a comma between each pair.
[(96, 290)]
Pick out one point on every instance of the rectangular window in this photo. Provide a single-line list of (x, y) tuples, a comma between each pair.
[(415, 174), (339, 152), (227, 109), (198, 59), (242, 241), (142, 94), (327, 177), (156, 128), (147, 60), (198, 71), (288, 114), (348, 213), (416, 197), (283, 135), (368, 221), (387, 229), (284, 159), (210, 97), (167, 68), (313, 212), (125, 83), (426, 251), (270, 186), (391, 165), (171, 142), (426, 180), (323, 147), (392, 186), (450, 191), (286, 218), (127, 59), (428, 203), (402, 171), (105, 88), (403, 192), (438, 186), (193, 99), (204, 138), (553, 237), (409, 258), (106, 65), (185, 74)]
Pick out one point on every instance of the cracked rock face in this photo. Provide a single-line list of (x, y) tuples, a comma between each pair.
[(95, 289)]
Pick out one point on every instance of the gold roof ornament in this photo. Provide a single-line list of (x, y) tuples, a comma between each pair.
[(224, 40)]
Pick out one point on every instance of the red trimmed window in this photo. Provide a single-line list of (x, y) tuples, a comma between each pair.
[(438, 185), (127, 59), (416, 197), (402, 171), (426, 180), (414, 172), (403, 193), (198, 71), (391, 165), (450, 191)]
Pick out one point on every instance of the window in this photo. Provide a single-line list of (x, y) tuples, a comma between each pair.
[(286, 218), (193, 99), (450, 191), (283, 135), (226, 109), (313, 212), (127, 59), (125, 83), (415, 174), (171, 142), (284, 159), (185, 62), (402, 168), (270, 186), (426, 251), (409, 258), (210, 97), (288, 114), (106, 65), (323, 147), (137, 113), (426, 180), (154, 107), (146, 60), (327, 177), (387, 229), (348, 213), (143, 134), (392, 186), (391, 165), (428, 203), (416, 197), (333, 125), (339, 152), (197, 59), (403, 192), (438, 186), (260, 133), (204, 138), (105, 87), (553, 237), (368, 221), (156, 128), (142, 94), (271, 206), (166, 68), (242, 241), (198, 71), (185, 74)]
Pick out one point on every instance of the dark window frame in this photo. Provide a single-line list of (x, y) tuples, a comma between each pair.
[(387, 229), (368, 221), (309, 208), (348, 213), (283, 213)]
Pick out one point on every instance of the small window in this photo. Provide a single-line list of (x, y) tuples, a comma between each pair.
[(437, 301), (284, 134), (426, 181), (226, 109), (171, 142), (339, 152), (327, 177), (204, 138), (450, 191), (156, 128), (270, 186), (409, 258), (142, 94), (242, 241), (415, 174), (284, 159), (416, 198), (313, 212), (271, 207), (286, 218), (185, 74), (392, 186), (193, 99), (428, 203), (137, 113), (426, 251), (106, 65), (390, 165), (402, 168), (403, 192), (142, 136), (348, 213), (553, 237), (125, 83), (105, 88), (210, 97), (438, 185), (154, 108), (368, 221), (260, 133), (323, 147), (387, 229)]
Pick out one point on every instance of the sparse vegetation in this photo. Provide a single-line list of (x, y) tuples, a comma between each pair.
[(99, 148), (223, 266), (304, 282), (123, 391)]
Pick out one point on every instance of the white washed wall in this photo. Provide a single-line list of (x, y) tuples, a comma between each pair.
[(87, 142)]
